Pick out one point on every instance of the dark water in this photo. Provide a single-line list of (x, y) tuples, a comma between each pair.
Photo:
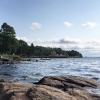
[(29, 72)]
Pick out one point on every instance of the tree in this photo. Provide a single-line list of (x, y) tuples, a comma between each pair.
[(7, 30), (1, 45), (74, 53), (31, 50), (7, 35), (23, 47), (14, 46)]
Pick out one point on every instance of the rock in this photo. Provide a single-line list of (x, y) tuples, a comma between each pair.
[(13, 91), (76, 87), (42, 92), (2, 80), (50, 88), (64, 83)]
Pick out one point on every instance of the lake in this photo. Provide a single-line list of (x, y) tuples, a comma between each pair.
[(29, 72)]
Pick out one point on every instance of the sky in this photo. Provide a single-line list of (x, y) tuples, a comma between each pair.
[(66, 24)]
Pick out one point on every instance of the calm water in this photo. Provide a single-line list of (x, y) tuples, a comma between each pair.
[(27, 72)]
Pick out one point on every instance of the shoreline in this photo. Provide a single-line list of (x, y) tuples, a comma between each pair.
[(51, 88)]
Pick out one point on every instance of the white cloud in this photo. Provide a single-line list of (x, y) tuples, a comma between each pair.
[(87, 48), (69, 40), (65, 40), (94, 42), (25, 39), (68, 24), (89, 25), (35, 25), (22, 38)]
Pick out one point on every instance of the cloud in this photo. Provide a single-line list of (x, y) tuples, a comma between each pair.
[(69, 40), (35, 25), (22, 38), (26, 40), (68, 24), (87, 48), (65, 40), (94, 42), (89, 25)]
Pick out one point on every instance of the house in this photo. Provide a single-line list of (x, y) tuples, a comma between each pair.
[(53, 53)]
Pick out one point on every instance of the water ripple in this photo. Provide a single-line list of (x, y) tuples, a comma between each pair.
[(32, 72)]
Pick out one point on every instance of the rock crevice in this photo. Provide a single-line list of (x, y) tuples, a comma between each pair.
[(50, 88)]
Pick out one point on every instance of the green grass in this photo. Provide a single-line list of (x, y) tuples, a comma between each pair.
[(15, 57)]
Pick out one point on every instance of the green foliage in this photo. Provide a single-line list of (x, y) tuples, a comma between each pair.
[(46, 51), (7, 30), (16, 57), (23, 47), (74, 53), (30, 51), (9, 43)]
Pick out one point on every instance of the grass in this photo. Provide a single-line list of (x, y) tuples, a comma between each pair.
[(15, 57)]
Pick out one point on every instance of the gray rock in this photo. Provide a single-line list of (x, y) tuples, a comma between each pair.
[(43, 92), (13, 91), (2, 80), (68, 82), (50, 88), (72, 85)]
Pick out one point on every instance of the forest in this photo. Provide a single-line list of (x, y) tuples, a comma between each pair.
[(9, 44)]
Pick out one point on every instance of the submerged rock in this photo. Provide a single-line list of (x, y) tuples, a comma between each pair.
[(50, 88), (2, 80)]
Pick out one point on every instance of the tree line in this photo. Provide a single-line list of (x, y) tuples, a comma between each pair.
[(9, 44)]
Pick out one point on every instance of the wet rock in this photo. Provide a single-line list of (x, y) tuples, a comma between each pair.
[(2, 80), (6, 74)]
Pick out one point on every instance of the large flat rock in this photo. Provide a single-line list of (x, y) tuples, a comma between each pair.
[(50, 88), (64, 83), (43, 92), (76, 87)]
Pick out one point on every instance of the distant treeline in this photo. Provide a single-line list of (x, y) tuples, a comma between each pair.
[(9, 44)]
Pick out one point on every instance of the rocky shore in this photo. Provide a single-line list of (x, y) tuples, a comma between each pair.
[(51, 88)]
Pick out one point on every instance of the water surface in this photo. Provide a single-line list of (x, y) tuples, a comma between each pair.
[(29, 72)]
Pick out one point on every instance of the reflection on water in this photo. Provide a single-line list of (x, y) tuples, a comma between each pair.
[(32, 72)]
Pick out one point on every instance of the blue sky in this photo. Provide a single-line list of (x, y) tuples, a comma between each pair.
[(68, 24)]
